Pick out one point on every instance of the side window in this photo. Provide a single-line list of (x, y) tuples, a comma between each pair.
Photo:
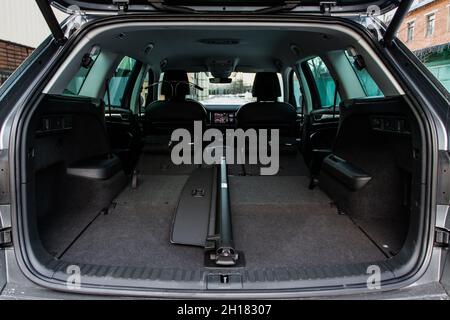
[(325, 84), (369, 86), (119, 81), (296, 98), (76, 84)]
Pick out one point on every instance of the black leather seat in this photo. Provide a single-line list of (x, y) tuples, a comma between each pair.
[(267, 112), (175, 111)]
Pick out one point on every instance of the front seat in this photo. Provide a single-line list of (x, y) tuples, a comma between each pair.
[(175, 111), (267, 112)]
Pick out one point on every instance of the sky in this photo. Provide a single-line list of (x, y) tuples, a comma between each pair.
[(22, 22)]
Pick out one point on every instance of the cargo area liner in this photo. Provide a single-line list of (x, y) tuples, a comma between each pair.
[(135, 232)]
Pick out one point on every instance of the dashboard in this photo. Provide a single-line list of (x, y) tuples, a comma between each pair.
[(223, 118), (222, 115)]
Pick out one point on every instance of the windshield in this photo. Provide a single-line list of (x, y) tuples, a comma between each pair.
[(238, 92)]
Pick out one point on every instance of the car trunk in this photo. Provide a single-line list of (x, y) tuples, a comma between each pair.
[(297, 229), (277, 222), (162, 221)]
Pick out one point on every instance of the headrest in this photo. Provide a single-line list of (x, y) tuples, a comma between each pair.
[(175, 84), (266, 86)]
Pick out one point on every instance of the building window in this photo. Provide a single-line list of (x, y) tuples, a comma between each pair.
[(431, 19), (410, 32), (448, 18)]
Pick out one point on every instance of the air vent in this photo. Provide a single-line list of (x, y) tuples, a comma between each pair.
[(226, 42)]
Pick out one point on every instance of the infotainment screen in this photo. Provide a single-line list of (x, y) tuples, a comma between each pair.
[(223, 118)]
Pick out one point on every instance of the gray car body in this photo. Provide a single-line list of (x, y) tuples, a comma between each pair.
[(431, 280)]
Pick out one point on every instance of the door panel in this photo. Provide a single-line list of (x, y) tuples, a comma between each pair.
[(125, 137), (321, 123)]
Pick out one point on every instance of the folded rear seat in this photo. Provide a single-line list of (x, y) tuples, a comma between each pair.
[(72, 130), (371, 156)]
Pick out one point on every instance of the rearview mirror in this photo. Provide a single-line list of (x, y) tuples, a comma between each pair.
[(220, 80)]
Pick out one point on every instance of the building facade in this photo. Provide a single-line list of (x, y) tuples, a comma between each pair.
[(11, 56), (22, 28), (22, 22), (426, 32)]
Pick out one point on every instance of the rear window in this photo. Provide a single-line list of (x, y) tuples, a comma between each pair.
[(76, 84), (369, 86)]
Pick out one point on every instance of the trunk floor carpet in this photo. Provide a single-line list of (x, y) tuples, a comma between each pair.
[(390, 235), (161, 164), (290, 165), (136, 232), (277, 222)]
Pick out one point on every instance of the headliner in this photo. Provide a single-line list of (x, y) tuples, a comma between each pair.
[(252, 49)]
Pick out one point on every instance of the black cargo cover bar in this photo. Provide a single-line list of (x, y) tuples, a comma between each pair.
[(224, 253)]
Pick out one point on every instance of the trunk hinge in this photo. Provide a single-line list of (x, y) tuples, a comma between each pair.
[(122, 5), (441, 237), (6, 238), (325, 7), (79, 19)]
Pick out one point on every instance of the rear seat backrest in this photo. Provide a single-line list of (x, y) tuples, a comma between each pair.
[(367, 148), (175, 111), (267, 112), (75, 130), (72, 172)]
